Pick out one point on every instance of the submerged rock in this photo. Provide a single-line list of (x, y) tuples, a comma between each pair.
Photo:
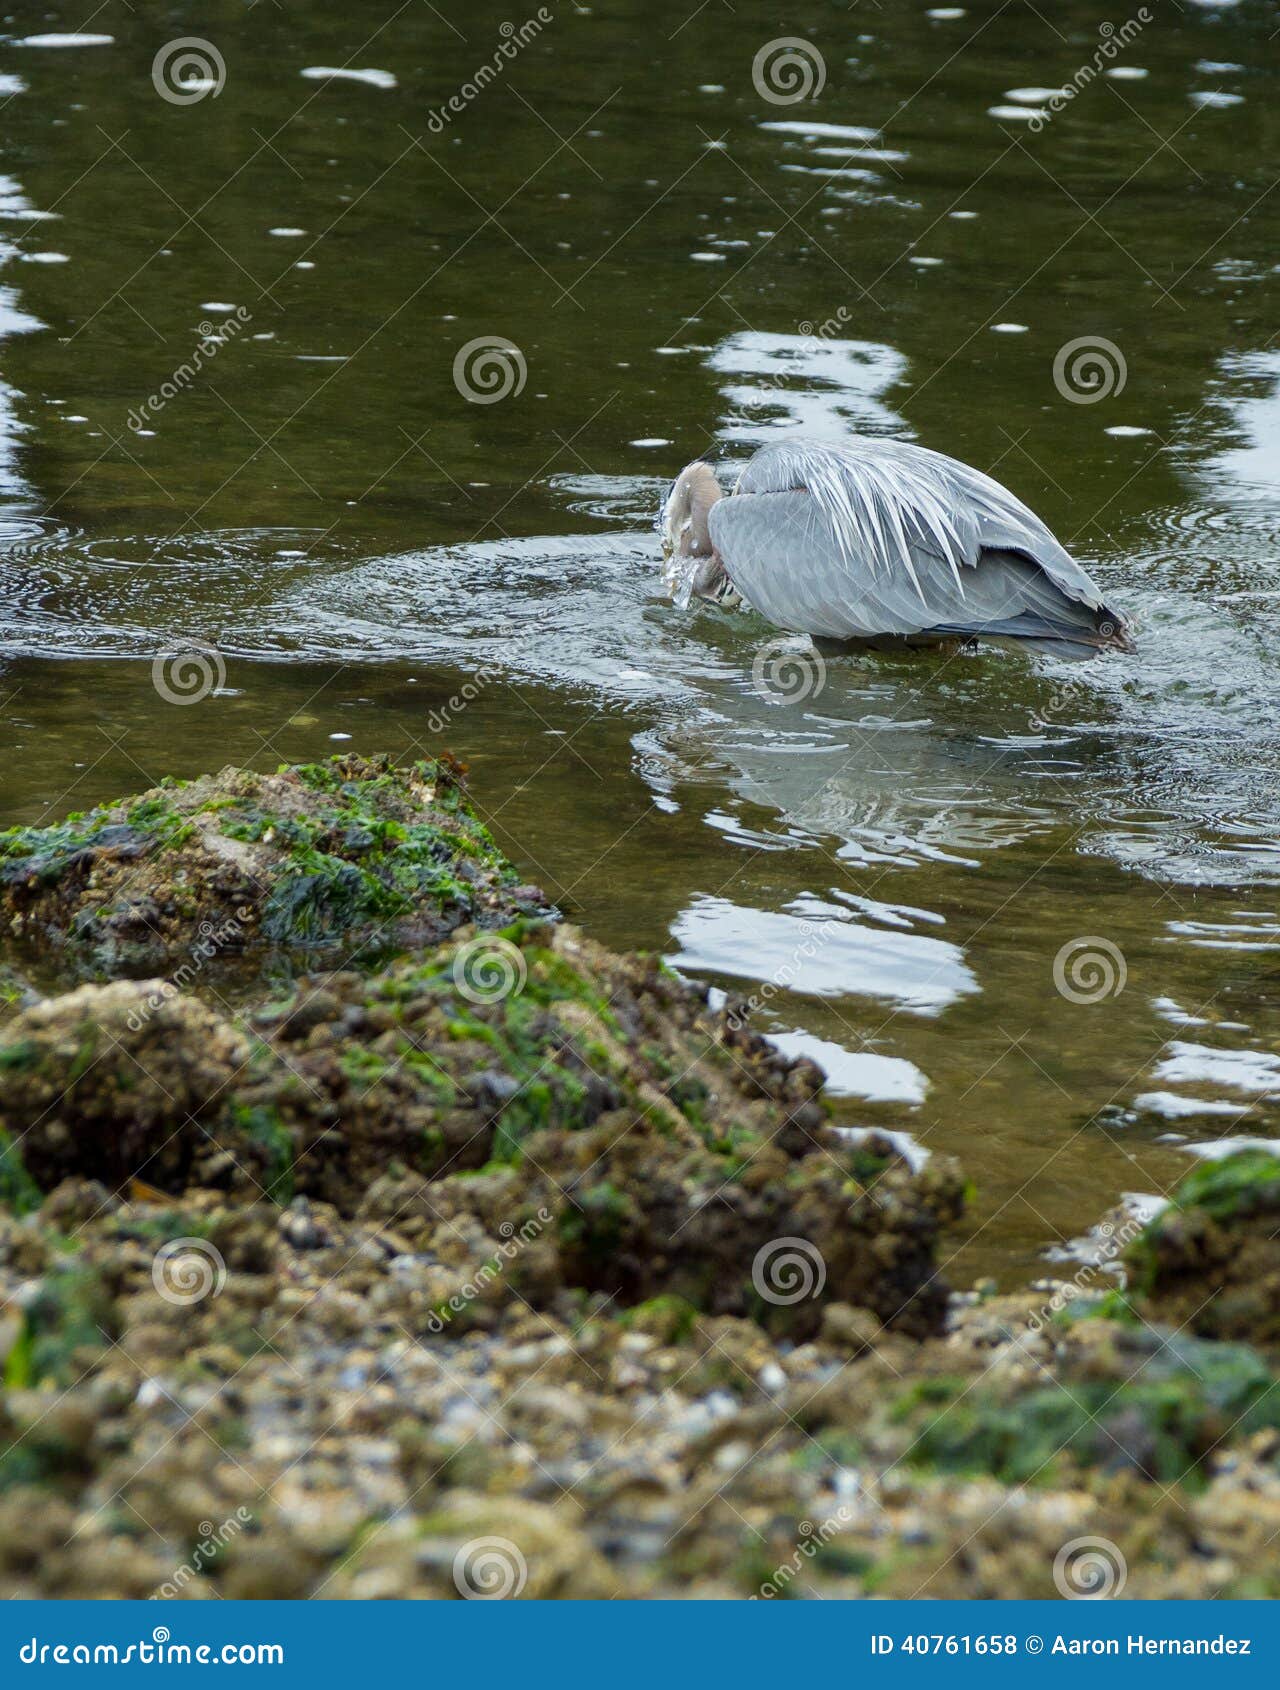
[(354, 855)]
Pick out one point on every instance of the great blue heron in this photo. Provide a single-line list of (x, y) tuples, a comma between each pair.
[(877, 541)]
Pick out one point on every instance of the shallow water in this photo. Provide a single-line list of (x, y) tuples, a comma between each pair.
[(890, 855)]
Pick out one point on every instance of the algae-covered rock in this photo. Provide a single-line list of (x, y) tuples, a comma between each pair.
[(1210, 1260), (666, 1152), (354, 854), (1144, 1400), (16, 993), (669, 1153)]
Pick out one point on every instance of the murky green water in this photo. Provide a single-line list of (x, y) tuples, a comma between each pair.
[(891, 864)]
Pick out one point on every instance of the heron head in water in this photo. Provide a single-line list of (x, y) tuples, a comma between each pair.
[(692, 566)]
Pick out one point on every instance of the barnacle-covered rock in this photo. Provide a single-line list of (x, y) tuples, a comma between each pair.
[(668, 1153), (115, 1082), (319, 1417)]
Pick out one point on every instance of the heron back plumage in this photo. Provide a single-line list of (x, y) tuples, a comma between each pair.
[(880, 537)]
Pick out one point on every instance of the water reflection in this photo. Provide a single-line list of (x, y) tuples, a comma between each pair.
[(810, 383), (815, 948)]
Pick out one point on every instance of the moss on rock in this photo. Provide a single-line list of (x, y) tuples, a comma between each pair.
[(355, 853), (532, 1050), (66, 1322), (539, 1050), (1160, 1409), (1210, 1260)]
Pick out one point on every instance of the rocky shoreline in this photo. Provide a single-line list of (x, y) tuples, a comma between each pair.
[(367, 1232)]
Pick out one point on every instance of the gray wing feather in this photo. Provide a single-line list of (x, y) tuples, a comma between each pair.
[(782, 552), (893, 509)]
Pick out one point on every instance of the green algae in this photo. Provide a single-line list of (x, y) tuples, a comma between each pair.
[(160, 820), (1237, 1185), (336, 848), (1113, 1305), (832, 1447), (44, 855), (261, 1124), (517, 1030), (20, 1056), (19, 1193), (867, 1166), (69, 1320), (596, 1221), (323, 893), (669, 1318), (352, 863), (1188, 1396), (1227, 1192)]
